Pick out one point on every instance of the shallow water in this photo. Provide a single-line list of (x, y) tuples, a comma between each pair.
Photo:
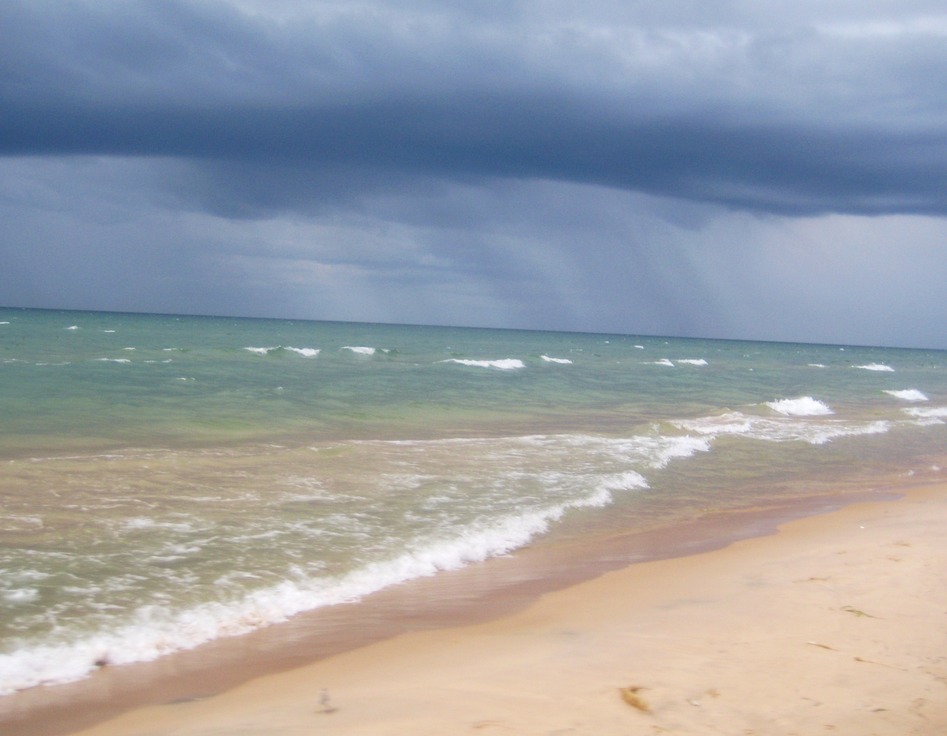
[(167, 481)]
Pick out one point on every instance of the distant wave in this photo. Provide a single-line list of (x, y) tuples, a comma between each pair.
[(876, 367), (909, 394), (564, 361), (504, 364), (305, 352), (360, 349), (805, 406), (686, 361)]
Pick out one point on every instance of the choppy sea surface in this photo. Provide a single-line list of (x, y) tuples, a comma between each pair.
[(169, 480)]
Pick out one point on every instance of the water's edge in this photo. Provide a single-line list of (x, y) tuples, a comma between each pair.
[(451, 598)]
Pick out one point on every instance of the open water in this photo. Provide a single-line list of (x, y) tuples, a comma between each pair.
[(169, 480)]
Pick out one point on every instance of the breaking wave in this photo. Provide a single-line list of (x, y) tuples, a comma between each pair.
[(805, 406), (910, 394), (504, 364)]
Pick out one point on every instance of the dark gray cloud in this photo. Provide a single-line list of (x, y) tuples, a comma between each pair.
[(680, 167), (775, 114)]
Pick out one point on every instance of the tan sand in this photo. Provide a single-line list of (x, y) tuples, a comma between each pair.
[(837, 624)]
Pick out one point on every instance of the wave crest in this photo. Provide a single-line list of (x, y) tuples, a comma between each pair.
[(503, 364), (804, 406)]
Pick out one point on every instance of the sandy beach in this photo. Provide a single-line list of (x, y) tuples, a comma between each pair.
[(836, 624)]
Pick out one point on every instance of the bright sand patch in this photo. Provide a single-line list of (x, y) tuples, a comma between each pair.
[(837, 624)]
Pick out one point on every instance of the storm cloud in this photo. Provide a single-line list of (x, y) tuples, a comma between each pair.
[(632, 167)]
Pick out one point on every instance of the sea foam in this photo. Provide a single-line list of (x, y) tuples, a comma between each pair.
[(876, 367), (153, 631), (783, 429), (928, 415), (563, 361)]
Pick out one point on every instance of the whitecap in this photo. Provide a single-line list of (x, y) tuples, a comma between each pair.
[(909, 394), (73, 327), (692, 361), (305, 352), (504, 364), (663, 361), (876, 367), (360, 349), (805, 406), (563, 361), (256, 351), (113, 360)]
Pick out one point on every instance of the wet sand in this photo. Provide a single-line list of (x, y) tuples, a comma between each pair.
[(836, 624)]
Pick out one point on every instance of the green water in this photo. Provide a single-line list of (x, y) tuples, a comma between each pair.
[(169, 480)]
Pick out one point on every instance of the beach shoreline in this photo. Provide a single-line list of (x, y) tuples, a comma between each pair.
[(191, 700)]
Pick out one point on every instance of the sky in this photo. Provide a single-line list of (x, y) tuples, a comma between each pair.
[(744, 169)]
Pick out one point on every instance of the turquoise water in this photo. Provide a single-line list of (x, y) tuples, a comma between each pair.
[(169, 480)]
